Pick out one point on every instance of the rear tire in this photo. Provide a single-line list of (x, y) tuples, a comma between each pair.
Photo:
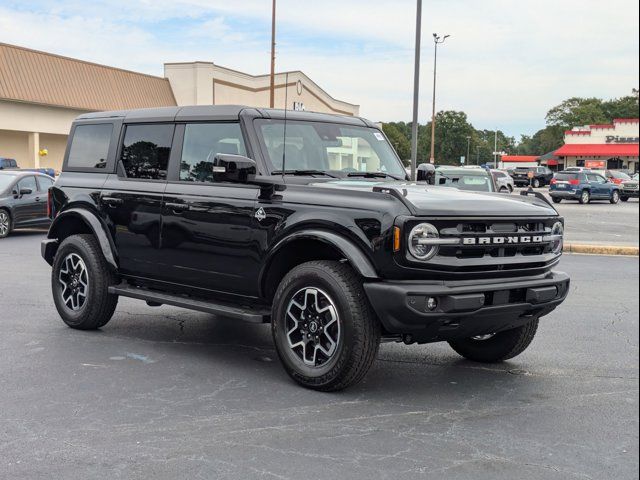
[(5, 223), (80, 279), (499, 347), (325, 332), (615, 197), (504, 190), (556, 199), (585, 197)]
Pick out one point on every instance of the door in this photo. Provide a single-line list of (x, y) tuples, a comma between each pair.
[(26, 210), (599, 186), (207, 227), (44, 183), (132, 198)]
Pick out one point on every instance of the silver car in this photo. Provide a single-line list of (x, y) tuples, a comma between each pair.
[(504, 181)]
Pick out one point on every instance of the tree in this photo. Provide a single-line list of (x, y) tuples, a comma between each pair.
[(399, 141), (577, 111)]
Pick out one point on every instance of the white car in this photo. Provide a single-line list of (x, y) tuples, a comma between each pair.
[(504, 181)]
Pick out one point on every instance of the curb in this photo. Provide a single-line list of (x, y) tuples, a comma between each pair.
[(600, 249)]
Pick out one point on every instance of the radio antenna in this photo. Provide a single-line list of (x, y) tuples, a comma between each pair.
[(284, 130)]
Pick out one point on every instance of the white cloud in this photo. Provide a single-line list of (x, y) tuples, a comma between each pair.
[(506, 63)]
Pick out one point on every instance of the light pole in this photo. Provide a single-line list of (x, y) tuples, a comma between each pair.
[(468, 160), (436, 40), (416, 89), (477, 155), (272, 79)]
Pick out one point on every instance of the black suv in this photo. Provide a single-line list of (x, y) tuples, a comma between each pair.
[(535, 176), (304, 220)]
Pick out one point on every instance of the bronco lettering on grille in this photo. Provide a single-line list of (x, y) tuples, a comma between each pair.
[(511, 240)]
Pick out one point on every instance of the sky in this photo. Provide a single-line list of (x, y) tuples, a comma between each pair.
[(506, 63)]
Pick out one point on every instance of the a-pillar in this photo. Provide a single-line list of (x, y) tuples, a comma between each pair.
[(34, 149)]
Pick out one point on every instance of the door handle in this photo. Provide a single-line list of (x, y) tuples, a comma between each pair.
[(37, 199), (177, 207), (112, 201)]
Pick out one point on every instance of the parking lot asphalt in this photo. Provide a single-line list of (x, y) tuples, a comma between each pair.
[(599, 223), (165, 393)]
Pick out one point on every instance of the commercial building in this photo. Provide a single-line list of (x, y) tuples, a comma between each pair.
[(612, 146), (41, 93)]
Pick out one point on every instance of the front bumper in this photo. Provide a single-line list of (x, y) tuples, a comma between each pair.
[(464, 308), (629, 193)]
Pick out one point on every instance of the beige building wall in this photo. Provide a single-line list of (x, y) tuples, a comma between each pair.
[(203, 83)]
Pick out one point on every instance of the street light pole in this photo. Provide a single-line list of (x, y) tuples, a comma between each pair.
[(495, 149), (416, 90), (468, 159), (436, 40), (272, 80)]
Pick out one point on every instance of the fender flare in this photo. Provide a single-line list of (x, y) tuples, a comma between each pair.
[(98, 228), (354, 254)]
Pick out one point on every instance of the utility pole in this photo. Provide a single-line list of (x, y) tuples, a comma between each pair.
[(436, 40), (272, 86), (468, 159), (495, 149), (477, 155), (416, 91)]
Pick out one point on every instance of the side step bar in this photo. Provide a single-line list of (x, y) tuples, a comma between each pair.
[(247, 314)]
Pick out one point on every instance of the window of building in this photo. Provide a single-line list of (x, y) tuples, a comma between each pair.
[(202, 142), (145, 151), (90, 146)]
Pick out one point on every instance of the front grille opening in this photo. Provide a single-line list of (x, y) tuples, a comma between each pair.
[(517, 295)]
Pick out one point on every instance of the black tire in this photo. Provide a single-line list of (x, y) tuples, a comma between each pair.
[(615, 197), (504, 190), (556, 199), (502, 346), (536, 183), (98, 305), (585, 197), (5, 223), (359, 329), (624, 199)]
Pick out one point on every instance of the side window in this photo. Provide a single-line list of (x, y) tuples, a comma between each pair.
[(202, 142), (145, 151), (28, 182), (90, 146), (44, 183)]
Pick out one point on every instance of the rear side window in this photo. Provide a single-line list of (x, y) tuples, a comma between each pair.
[(202, 142), (145, 151), (90, 146), (45, 183)]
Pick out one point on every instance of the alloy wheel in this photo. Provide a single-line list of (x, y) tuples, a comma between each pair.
[(312, 326), (4, 224), (74, 278)]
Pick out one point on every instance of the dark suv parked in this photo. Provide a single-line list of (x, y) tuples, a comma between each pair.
[(535, 176), (304, 220)]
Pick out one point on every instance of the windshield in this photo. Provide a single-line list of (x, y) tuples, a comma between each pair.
[(328, 147), (5, 181), (620, 175), (464, 181)]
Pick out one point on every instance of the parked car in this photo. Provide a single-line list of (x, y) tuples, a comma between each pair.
[(47, 171), (8, 164), (541, 176), (584, 187), (577, 169), (472, 179), (243, 222), (23, 200), (629, 188), (616, 176), (504, 182)]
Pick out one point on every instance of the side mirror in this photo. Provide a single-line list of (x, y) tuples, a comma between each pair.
[(426, 173), (25, 191), (233, 168)]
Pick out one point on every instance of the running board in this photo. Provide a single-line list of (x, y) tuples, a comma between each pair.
[(247, 314)]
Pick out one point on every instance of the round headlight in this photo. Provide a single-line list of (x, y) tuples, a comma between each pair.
[(557, 231), (419, 245)]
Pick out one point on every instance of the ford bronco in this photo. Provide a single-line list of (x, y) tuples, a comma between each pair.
[(304, 220)]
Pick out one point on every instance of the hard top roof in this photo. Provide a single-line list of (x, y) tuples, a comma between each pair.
[(218, 113)]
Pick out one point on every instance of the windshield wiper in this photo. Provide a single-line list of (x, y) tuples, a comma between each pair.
[(373, 175), (303, 173)]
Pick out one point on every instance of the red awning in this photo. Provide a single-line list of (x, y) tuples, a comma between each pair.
[(552, 163), (604, 150), (519, 158)]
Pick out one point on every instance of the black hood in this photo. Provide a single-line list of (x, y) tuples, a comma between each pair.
[(428, 200)]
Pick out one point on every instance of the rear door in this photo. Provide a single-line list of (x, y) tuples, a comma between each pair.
[(207, 226), (132, 198), (44, 183)]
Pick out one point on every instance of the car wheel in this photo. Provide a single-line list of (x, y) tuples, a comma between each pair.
[(504, 190), (324, 329), (624, 199), (556, 199), (615, 197), (585, 197), (536, 183), (80, 279), (497, 347), (5, 223)]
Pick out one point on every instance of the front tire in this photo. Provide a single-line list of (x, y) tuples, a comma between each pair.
[(80, 279), (536, 183), (624, 199), (499, 347), (5, 223), (325, 332)]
